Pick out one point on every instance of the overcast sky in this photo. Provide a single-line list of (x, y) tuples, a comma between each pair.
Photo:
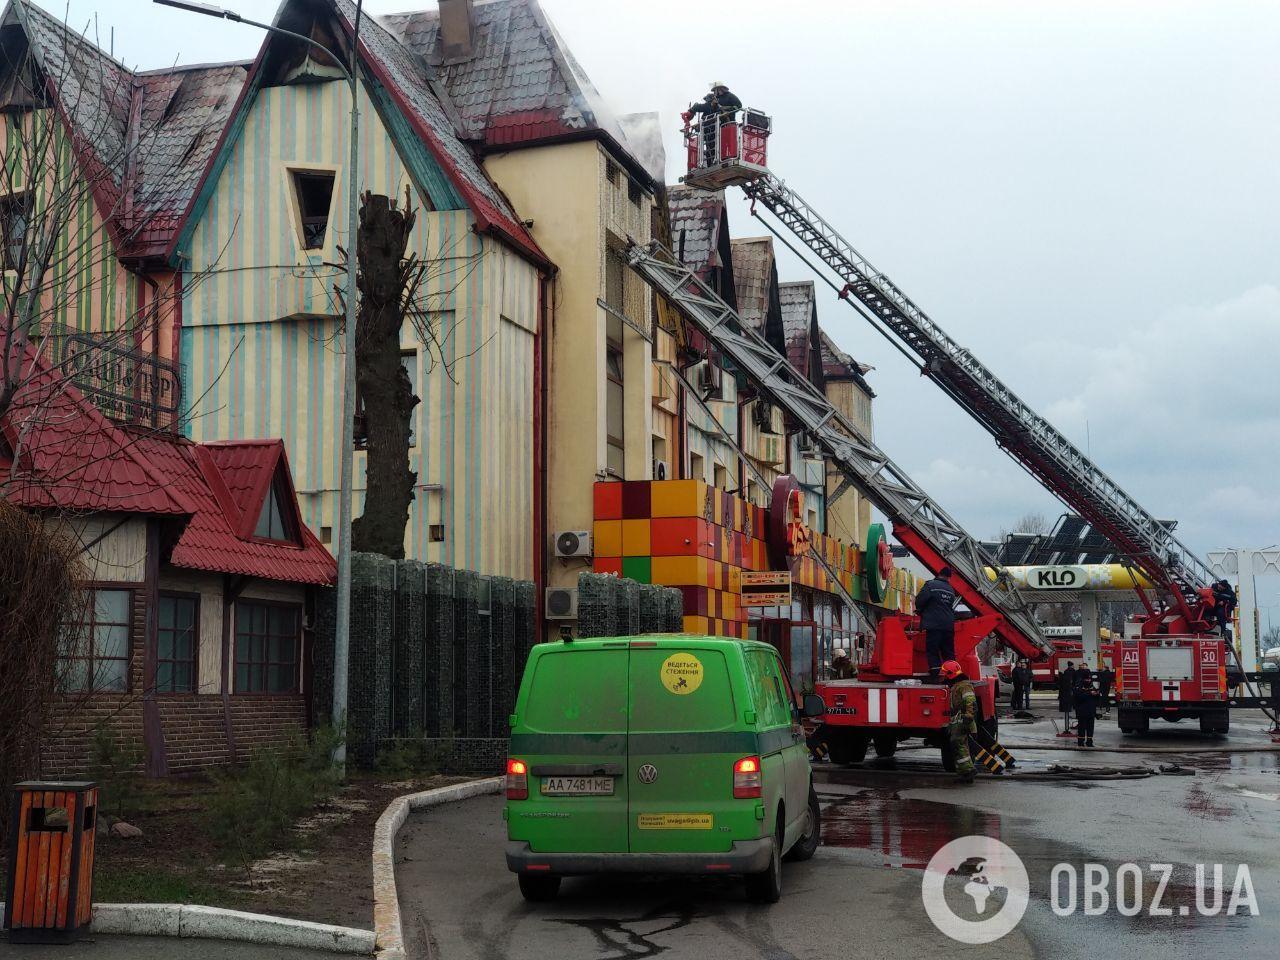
[(1086, 194)]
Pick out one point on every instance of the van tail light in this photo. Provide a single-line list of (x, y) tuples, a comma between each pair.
[(517, 779), (746, 779)]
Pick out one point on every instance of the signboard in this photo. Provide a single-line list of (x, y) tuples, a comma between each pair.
[(126, 385), (1057, 578), (766, 588)]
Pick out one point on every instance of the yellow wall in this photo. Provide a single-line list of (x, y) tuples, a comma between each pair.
[(850, 516), (577, 213)]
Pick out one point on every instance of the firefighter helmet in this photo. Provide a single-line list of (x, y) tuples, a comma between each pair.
[(951, 670)]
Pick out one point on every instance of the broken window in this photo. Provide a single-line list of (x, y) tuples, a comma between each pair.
[(314, 193), (614, 411), (13, 228)]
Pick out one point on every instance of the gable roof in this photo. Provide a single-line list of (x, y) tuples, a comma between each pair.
[(70, 457), (522, 86), (696, 216), (753, 273), (221, 540), (419, 102), (141, 138), (799, 323)]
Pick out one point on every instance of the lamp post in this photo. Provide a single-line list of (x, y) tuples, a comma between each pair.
[(342, 628)]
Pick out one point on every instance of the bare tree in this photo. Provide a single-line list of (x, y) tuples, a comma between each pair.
[(393, 284)]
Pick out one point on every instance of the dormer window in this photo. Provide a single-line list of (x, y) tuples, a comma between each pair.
[(274, 522), (313, 192)]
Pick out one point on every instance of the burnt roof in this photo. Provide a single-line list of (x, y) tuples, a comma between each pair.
[(522, 84), (838, 365), (754, 273), (696, 216)]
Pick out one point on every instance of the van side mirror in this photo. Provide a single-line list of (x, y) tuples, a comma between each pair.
[(813, 706)]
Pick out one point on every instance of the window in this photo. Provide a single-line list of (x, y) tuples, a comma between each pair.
[(267, 644), (177, 640), (612, 173), (697, 470), (615, 282), (314, 193), (13, 228), (721, 477), (274, 522), (614, 396), (633, 192), (97, 657), (409, 360)]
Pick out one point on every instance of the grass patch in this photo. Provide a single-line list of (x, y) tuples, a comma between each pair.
[(133, 883)]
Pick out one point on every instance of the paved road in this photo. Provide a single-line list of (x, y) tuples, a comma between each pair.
[(882, 823), (154, 948)]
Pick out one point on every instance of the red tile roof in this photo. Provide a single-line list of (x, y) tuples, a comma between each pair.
[(70, 457)]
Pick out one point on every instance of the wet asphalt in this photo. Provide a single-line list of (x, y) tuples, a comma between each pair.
[(861, 894)]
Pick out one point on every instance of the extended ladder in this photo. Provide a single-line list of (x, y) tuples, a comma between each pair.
[(919, 523), (1020, 431)]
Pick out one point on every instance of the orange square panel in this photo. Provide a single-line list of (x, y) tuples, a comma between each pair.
[(606, 539), (676, 498), (635, 538)]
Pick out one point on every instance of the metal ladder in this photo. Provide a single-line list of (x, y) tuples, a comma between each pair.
[(1026, 436), (918, 521)]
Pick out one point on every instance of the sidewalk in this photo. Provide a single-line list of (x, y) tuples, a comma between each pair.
[(153, 948)]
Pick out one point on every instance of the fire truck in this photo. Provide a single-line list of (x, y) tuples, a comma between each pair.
[(1068, 647), (891, 699)]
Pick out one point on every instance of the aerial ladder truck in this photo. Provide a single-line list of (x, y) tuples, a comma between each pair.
[(1170, 662)]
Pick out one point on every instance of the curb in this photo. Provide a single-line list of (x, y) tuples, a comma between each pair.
[(387, 927), (214, 923)]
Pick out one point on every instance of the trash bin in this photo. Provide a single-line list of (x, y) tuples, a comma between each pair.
[(51, 836)]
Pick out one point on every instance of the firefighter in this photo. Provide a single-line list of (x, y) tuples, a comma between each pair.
[(936, 607), (1106, 677), (842, 666), (964, 722), (721, 103), (1086, 704), (1224, 605), (1066, 687)]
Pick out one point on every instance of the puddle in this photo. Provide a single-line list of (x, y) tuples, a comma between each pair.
[(904, 833)]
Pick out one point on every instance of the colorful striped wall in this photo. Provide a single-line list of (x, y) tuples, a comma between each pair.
[(686, 534), (259, 339)]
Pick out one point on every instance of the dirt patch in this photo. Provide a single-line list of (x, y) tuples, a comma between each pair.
[(322, 874)]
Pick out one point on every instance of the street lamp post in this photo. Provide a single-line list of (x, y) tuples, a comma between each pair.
[(342, 627)]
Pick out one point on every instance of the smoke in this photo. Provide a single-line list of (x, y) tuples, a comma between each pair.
[(644, 141)]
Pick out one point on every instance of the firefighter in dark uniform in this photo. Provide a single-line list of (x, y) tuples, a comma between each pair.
[(936, 607), (721, 103), (963, 724), (1086, 704)]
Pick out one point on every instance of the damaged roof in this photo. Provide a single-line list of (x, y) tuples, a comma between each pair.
[(142, 137), (838, 365), (799, 322), (521, 85)]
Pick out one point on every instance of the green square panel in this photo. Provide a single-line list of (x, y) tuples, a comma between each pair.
[(639, 569)]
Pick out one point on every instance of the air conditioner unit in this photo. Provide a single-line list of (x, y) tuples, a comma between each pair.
[(660, 470), (573, 543), (562, 603)]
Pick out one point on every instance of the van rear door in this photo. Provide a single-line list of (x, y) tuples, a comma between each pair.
[(573, 736), (686, 733)]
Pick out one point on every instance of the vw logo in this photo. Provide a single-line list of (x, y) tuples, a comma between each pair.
[(647, 773)]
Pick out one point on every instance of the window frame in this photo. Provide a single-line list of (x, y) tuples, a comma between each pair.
[(195, 644), (296, 607), (293, 173), (293, 535), (7, 202), (130, 590)]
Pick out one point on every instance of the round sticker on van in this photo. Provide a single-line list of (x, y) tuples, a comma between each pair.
[(682, 673)]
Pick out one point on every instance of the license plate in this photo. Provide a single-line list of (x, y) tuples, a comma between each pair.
[(577, 786)]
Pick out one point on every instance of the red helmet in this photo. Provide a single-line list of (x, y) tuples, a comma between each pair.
[(951, 669)]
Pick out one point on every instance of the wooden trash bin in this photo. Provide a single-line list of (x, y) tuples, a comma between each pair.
[(51, 839)]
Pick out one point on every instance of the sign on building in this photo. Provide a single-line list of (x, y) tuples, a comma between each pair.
[(765, 588)]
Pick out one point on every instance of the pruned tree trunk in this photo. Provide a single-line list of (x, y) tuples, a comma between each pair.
[(384, 386)]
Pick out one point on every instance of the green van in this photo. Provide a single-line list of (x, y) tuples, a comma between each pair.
[(658, 754)]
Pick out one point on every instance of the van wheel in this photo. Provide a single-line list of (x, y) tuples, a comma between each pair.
[(809, 841), (847, 747), (886, 744), (537, 888), (766, 886)]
